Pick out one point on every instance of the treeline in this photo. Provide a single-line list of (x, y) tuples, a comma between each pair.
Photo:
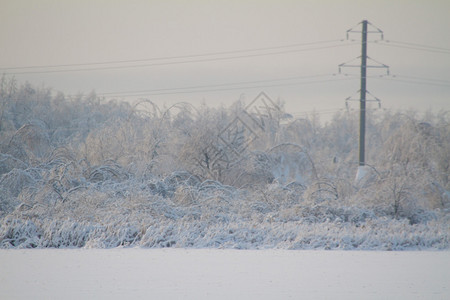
[(57, 149)]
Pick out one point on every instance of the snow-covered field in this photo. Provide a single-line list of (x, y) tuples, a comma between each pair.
[(135, 273)]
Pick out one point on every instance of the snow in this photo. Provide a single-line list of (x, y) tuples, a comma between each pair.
[(363, 175), (103, 190), (136, 273)]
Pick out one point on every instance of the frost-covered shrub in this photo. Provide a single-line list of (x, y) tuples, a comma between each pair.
[(19, 233), (15, 181)]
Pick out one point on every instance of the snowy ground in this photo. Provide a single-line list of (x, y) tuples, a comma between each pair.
[(222, 274)]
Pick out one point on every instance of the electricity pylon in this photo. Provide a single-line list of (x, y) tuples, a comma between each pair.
[(363, 90)]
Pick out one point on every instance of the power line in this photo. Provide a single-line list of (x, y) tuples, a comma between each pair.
[(423, 78), (412, 80), (75, 128), (225, 86), (175, 62), (413, 46), (237, 54), (419, 45), (216, 85), (174, 91), (175, 57)]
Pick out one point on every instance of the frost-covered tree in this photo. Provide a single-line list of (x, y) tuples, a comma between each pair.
[(86, 172)]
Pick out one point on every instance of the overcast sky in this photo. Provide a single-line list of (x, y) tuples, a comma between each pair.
[(52, 33)]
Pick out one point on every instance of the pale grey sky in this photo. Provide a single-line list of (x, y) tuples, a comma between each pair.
[(48, 33)]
